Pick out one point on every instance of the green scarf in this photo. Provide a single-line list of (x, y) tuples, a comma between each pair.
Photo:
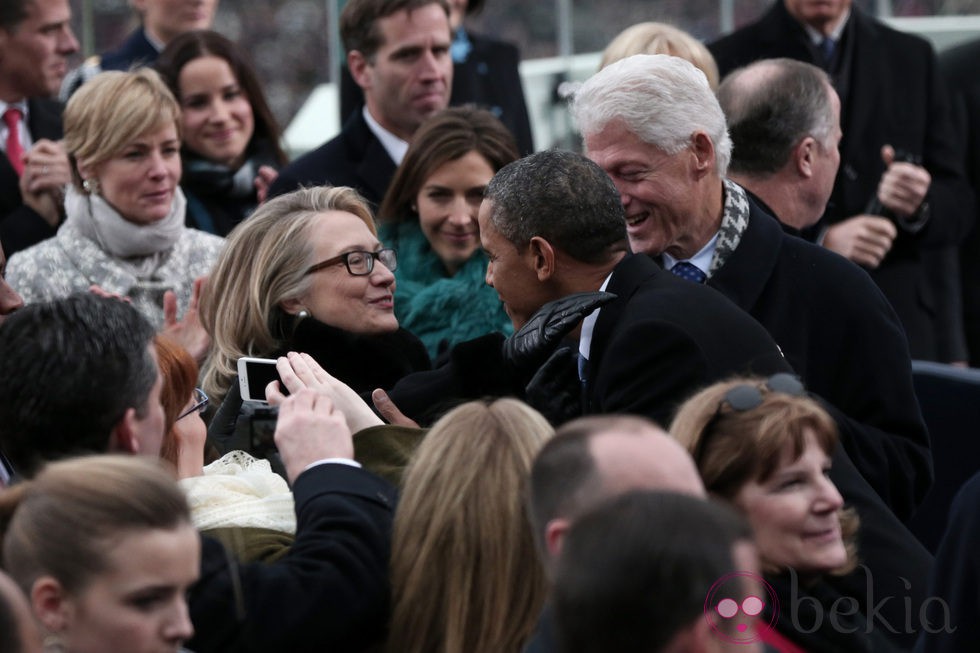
[(441, 310)]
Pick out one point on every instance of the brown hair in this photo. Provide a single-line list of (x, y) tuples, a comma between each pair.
[(179, 372), (732, 448), (205, 43), (60, 523), (464, 571), (446, 136), (359, 21)]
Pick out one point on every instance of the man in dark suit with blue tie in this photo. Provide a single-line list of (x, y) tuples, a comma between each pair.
[(398, 53), (35, 42), (900, 194)]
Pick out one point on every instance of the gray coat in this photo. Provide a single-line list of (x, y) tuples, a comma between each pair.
[(70, 262)]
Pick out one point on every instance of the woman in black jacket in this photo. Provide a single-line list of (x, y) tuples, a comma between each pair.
[(307, 273)]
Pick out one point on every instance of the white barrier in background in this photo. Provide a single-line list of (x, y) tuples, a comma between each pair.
[(318, 120)]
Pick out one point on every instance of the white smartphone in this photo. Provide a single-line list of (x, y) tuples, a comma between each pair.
[(254, 374)]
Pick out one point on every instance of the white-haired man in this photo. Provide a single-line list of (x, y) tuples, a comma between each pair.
[(652, 123)]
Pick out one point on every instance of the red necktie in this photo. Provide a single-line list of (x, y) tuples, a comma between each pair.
[(15, 151)]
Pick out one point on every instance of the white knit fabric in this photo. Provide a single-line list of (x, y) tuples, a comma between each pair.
[(238, 490)]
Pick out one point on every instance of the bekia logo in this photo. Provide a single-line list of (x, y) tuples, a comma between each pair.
[(734, 604)]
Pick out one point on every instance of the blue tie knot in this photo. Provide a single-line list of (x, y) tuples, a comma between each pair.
[(689, 271)]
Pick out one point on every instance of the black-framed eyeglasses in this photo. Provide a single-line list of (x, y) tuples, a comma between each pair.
[(748, 396), (200, 403), (359, 262)]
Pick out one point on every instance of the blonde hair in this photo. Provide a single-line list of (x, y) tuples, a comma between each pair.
[(263, 264), (732, 448), (661, 38), (464, 571), (60, 523), (110, 110)]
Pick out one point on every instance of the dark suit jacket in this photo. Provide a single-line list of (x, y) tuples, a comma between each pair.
[(330, 592), (842, 337), (891, 94), (355, 158), (660, 341), (21, 226), (489, 78), (956, 579), (959, 67), (136, 50), (664, 338)]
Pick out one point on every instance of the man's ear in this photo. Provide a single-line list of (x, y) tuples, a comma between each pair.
[(50, 604), (542, 257), (704, 154), (359, 68), (123, 437), (554, 536), (803, 156)]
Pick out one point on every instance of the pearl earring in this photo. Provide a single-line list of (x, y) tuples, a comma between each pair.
[(91, 186), (303, 314)]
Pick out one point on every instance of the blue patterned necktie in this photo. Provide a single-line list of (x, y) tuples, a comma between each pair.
[(688, 271)]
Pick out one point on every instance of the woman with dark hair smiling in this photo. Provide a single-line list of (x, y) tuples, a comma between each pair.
[(429, 215), (231, 148)]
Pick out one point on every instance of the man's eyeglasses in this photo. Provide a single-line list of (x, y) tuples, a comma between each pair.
[(360, 263), (745, 397), (200, 403)]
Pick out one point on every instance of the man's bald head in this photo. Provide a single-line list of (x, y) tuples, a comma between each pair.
[(593, 459), (784, 119)]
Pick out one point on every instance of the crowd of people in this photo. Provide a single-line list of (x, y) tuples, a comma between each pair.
[(656, 396)]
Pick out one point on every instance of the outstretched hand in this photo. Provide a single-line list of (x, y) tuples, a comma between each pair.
[(189, 332), (534, 342), (389, 411), (299, 371)]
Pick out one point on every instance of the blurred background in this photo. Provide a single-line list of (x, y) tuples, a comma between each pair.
[(295, 47)]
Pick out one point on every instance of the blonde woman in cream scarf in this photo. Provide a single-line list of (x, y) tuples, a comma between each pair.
[(124, 227)]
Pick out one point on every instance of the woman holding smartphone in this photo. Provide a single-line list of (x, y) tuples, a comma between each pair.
[(307, 273)]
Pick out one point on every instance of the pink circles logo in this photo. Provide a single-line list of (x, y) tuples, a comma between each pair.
[(734, 604)]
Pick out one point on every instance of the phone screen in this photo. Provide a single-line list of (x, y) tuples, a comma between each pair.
[(259, 375)]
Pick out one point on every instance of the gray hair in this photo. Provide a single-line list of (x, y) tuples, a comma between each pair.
[(771, 106), (661, 99), (562, 197)]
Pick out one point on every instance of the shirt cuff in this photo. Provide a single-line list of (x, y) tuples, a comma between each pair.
[(338, 461)]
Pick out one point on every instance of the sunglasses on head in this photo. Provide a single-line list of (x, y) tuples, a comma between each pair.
[(745, 397)]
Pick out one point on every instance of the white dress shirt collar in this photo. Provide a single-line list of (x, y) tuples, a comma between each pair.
[(394, 146), (701, 260), (588, 325)]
